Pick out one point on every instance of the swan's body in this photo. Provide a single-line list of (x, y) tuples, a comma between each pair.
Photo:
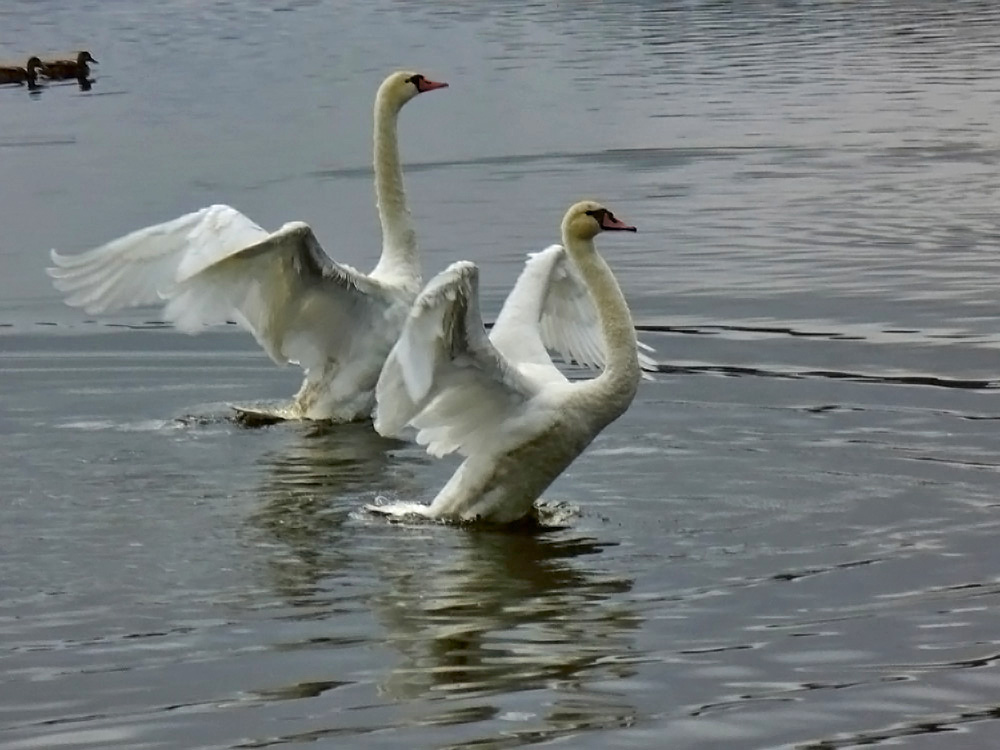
[(16, 74), (215, 265), (499, 400), (61, 70)]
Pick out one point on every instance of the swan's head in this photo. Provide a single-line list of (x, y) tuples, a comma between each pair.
[(587, 219), (83, 57), (403, 85), (33, 64)]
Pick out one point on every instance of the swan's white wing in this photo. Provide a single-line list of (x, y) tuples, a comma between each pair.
[(143, 267), (517, 331), (216, 265), (300, 306), (569, 323), (444, 376), (550, 307)]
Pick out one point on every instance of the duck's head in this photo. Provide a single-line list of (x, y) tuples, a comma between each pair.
[(83, 57), (587, 219), (403, 85)]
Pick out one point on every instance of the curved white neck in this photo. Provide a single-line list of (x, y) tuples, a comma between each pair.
[(618, 383), (399, 262)]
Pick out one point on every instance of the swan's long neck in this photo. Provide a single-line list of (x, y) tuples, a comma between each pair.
[(399, 262), (620, 379)]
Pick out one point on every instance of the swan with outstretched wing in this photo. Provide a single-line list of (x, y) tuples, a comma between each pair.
[(216, 265), (498, 399)]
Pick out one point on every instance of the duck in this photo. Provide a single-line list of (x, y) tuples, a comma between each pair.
[(499, 400), (63, 69), (16, 74), (216, 265)]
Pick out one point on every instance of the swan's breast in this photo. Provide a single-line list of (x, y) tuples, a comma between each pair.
[(533, 464)]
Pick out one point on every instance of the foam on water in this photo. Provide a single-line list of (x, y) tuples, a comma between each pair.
[(97, 425), (398, 510)]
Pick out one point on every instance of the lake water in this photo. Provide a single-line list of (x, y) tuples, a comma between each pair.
[(789, 541)]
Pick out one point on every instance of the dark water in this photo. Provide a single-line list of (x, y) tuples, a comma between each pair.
[(787, 542)]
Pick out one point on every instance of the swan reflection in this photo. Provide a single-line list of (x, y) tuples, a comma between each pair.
[(484, 617), (311, 486), (505, 612)]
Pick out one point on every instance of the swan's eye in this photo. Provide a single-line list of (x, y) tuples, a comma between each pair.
[(599, 214), (416, 80)]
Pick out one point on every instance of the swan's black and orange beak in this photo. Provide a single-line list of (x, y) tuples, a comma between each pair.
[(608, 221), (425, 84)]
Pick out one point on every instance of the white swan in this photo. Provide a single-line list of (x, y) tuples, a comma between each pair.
[(216, 264), (499, 400)]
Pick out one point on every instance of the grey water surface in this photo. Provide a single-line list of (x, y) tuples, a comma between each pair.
[(789, 540)]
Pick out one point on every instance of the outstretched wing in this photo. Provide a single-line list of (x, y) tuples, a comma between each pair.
[(142, 268), (444, 376), (550, 307), (301, 306)]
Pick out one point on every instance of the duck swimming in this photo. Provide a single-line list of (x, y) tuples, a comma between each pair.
[(16, 74), (61, 70)]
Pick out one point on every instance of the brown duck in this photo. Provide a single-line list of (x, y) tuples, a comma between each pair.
[(17, 74), (64, 69)]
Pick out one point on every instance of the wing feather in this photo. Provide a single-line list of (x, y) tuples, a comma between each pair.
[(444, 376), (569, 323), (143, 267), (550, 308), (216, 265), (300, 305), (517, 332)]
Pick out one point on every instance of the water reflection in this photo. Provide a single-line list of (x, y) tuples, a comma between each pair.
[(475, 615), (816, 183), (310, 487), (504, 613)]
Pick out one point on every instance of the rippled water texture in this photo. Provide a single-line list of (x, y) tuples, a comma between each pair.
[(787, 542)]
